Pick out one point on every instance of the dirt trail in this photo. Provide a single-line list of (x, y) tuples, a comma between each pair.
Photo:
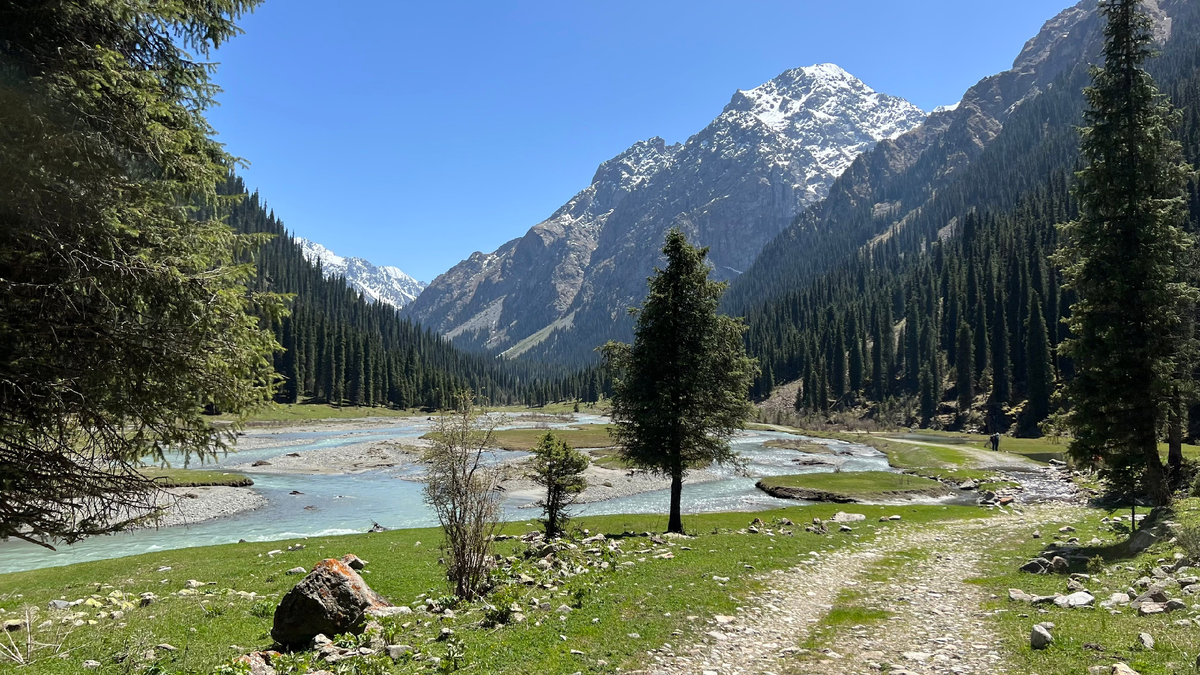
[(981, 459), (935, 624)]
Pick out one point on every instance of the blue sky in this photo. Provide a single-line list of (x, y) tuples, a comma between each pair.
[(414, 133)]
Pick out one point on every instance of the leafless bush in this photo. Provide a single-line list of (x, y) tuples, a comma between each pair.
[(462, 491), (33, 643)]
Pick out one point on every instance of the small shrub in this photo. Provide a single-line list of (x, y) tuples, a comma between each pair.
[(294, 663), (263, 609), (456, 653), (1189, 540), (1095, 565)]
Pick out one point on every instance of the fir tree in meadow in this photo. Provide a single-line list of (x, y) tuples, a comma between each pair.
[(1124, 256), (680, 389)]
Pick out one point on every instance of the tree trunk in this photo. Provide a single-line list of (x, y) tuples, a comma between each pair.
[(675, 524), (1175, 440), (1156, 476)]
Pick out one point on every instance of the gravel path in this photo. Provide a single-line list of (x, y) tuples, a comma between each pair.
[(936, 625)]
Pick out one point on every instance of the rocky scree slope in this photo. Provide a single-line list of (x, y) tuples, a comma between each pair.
[(385, 284), (564, 287), (1004, 138)]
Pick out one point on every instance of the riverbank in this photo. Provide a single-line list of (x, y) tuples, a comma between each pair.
[(192, 505)]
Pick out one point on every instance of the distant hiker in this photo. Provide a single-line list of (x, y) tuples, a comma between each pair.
[(995, 441)]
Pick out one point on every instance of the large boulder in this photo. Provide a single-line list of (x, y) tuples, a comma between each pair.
[(331, 600)]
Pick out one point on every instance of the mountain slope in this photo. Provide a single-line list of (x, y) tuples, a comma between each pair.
[(564, 287), (1009, 132), (384, 284)]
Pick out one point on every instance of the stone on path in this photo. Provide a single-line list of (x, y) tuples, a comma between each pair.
[(333, 599), (1040, 638)]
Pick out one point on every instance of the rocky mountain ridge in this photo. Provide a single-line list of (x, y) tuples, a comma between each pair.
[(565, 286), (385, 284), (911, 185)]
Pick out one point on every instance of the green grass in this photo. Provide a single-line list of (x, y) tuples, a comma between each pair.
[(858, 484), (1084, 638), (582, 436), (652, 598), (607, 458), (307, 412), (195, 478)]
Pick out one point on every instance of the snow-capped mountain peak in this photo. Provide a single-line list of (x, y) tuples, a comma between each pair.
[(384, 284)]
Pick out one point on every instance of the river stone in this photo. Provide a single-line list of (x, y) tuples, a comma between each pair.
[(1040, 638), (333, 599)]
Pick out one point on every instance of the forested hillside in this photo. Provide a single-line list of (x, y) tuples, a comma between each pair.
[(959, 309), (338, 348)]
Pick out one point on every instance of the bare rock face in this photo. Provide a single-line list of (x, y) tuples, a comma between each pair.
[(331, 600)]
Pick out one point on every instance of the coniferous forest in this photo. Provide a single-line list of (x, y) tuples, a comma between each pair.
[(338, 348), (954, 319)]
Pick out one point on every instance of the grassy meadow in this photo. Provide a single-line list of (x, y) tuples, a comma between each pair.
[(617, 615)]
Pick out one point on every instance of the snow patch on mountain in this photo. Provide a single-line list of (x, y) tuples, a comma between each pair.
[(377, 283)]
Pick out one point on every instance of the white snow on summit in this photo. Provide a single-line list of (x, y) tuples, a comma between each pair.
[(377, 283), (820, 112)]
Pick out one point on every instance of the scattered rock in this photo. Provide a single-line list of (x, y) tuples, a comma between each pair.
[(261, 462), (91, 665), (1040, 638), (1140, 541), (1060, 565), (297, 570), (1018, 595), (355, 562), (1146, 640), (257, 662), (1122, 669), (1150, 608), (1036, 566), (13, 624), (843, 517), (1075, 600), (333, 599)]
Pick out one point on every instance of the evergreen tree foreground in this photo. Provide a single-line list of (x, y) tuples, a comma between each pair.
[(681, 389), (1126, 256)]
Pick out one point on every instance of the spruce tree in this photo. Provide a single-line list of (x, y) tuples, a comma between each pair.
[(126, 308), (1123, 257), (1039, 370), (681, 388), (1001, 370), (965, 383)]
